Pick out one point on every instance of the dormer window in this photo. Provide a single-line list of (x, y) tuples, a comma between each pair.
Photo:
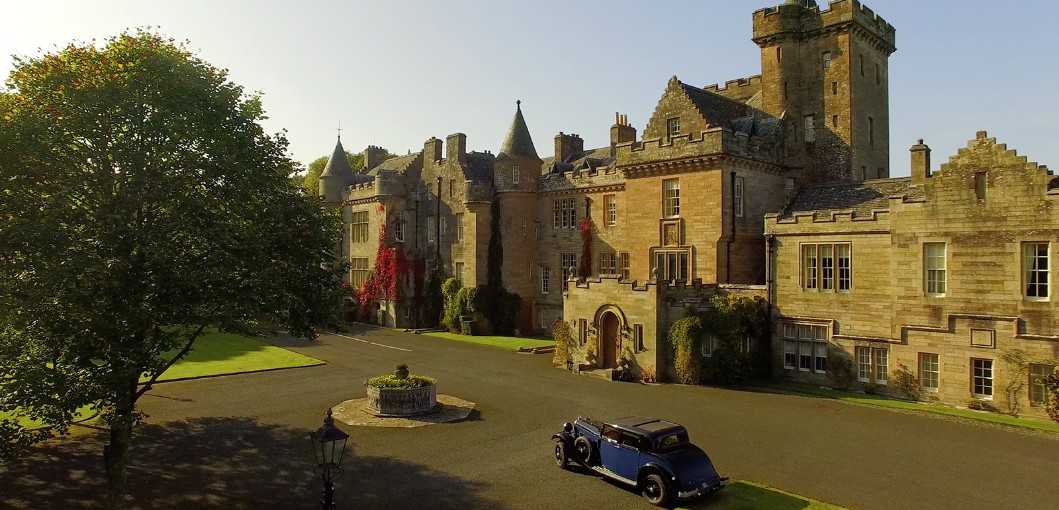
[(516, 174), (673, 127)]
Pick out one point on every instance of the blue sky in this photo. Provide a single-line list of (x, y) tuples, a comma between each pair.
[(397, 72)]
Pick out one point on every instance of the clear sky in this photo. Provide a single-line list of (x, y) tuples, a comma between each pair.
[(396, 72)]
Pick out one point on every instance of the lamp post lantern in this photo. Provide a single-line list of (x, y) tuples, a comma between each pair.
[(329, 443)]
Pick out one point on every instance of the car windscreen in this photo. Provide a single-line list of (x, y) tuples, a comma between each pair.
[(674, 441)]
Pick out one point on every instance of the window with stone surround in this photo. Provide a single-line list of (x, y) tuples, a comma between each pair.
[(871, 130), (1038, 388), (608, 263), (827, 267), (672, 265), (934, 268), (671, 198), (546, 277), (623, 265), (872, 364), (459, 226), (929, 371), (452, 187), (1035, 270), (982, 378), (443, 226), (804, 347), (568, 264), (516, 174), (673, 127), (358, 272), (582, 331), (563, 213), (740, 193), (459, 271), (826, 57), (610, 210), (810, 129), (359, 227), (430, 229)]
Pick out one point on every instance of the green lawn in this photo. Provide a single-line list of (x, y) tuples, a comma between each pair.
[(859, 398), (742, 494), (227, 353), (511, 343), (221, 354)]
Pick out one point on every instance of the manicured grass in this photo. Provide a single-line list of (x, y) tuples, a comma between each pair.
[(970, 414), (83, 413), (511, 343), (743, 494), (226, 353), (219, 354)]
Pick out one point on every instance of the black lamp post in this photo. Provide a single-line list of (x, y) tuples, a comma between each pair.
[(329, 443)]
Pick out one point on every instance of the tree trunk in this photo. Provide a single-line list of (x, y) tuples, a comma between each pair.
[(115, 453)]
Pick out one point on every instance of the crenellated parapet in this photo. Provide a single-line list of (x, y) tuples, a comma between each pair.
[(714, 141), (384, 183), (785, 20)]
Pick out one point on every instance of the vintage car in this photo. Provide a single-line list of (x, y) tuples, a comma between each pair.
[(651, 455)]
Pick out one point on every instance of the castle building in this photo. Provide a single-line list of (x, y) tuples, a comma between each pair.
[(677, 213)]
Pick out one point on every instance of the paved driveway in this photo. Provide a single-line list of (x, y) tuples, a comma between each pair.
[(240, 441)]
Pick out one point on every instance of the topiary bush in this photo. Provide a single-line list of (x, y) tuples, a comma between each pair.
[(433, 299), (686, 335), (563, 336), (450, 318)]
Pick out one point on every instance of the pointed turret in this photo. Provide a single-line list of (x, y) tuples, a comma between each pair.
[(518, 143), (337, 175)]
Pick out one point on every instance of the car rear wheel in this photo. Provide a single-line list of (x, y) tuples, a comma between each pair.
[(655, 490), (584, 449), (561, 457)]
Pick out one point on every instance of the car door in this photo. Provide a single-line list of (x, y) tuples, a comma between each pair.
[(619, 452)]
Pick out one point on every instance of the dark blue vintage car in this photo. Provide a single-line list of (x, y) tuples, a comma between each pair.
[(651, 455)]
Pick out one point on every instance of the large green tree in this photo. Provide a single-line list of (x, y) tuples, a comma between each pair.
[(140, 203)]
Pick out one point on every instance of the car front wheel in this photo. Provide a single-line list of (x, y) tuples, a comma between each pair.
[(655, 490), (560, 454)]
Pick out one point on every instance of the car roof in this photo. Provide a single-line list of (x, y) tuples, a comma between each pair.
[(646, 426)]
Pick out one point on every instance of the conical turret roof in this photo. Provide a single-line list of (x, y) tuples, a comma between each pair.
[(518, 142), (337, 164)]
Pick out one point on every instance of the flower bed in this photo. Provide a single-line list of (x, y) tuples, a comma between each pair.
[(402, 394)]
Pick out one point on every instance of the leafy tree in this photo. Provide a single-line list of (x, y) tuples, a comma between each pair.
[(141, 204), (499, 307), (687, 334)]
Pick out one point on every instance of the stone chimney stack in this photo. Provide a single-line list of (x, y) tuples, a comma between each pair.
[(621, 131), (567, 145), (920, 162), (432, 150), (373, 156), (456, 147)]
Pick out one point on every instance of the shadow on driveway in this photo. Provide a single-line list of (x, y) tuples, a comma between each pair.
[(222, 463)]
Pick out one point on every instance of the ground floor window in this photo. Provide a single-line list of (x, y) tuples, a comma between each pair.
[(982, 378), (929, 371), (872, 364), (804, 347), (637, 331), (1038, 377), (358, 272)]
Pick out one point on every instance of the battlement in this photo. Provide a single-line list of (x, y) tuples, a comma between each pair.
[(833, 217), (789, 18), (386, 182), (751, 81), (714, 141)]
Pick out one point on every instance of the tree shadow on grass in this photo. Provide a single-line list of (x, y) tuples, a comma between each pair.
[(739, 495), (222, 463)]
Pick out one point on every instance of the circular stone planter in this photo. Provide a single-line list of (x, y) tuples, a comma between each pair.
[(403, 402)]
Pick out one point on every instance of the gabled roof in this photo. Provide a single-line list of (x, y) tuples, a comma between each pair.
[(337, 165), (860, 197), (518, 142), (718, 110)]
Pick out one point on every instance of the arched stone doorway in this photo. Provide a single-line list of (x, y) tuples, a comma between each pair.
[(608, 340)]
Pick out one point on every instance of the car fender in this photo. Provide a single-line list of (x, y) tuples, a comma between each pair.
[(656, 466)]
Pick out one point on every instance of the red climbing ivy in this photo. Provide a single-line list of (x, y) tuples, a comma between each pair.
[(384, 280), (585, 270)]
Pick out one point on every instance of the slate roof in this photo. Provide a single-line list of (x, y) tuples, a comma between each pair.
[(715, 108), (337, 165), (861, 197), (518, 142), (478, 166), (590, 159), (398, 164)]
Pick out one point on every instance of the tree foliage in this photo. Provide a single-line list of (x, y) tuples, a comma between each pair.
[(499, 307), (687, 335), (141, 203)]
